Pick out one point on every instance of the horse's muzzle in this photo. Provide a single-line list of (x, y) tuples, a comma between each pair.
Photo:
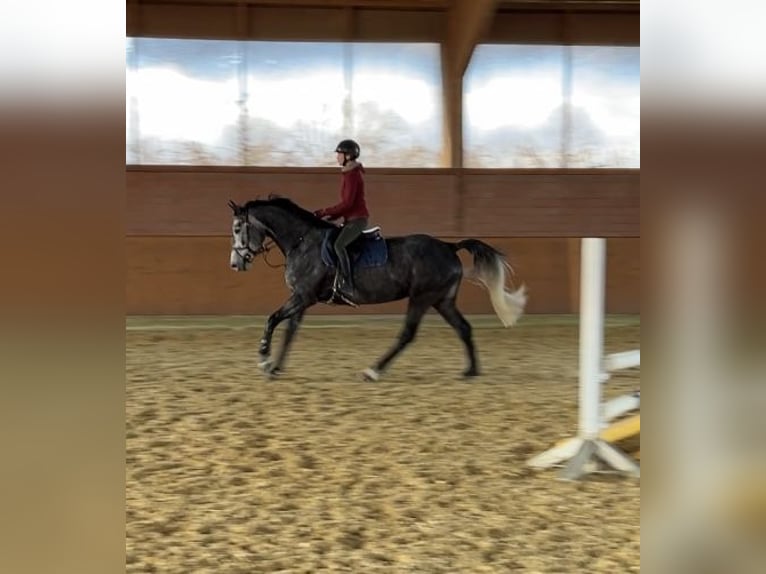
[(239, 262)]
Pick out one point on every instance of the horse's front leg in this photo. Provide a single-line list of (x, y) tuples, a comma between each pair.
[(288, 309), (293, 322)]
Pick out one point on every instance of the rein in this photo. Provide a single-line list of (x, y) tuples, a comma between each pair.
[(267, 246), (264, 249)]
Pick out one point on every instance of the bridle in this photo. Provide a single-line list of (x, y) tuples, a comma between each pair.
[(249, 254)]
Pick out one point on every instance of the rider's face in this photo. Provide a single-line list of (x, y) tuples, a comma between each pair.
[(340, 158)]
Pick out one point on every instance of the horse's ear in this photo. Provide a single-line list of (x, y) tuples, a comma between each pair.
[(234, 207)]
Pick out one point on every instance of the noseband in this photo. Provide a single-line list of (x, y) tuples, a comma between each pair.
[(247, 253)]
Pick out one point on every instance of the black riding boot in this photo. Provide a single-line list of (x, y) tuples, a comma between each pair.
[(346, 283), (343, 285)]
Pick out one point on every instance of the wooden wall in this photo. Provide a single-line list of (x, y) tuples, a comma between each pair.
[(178, 225)]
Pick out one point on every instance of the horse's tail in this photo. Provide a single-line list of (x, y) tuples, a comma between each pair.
[(489, 269)]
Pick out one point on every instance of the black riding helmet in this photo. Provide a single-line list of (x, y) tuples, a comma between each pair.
[(348, 147)]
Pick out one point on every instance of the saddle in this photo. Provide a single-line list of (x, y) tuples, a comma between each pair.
[(367, 250)]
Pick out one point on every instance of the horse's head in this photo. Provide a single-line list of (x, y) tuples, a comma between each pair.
[(247, 238)]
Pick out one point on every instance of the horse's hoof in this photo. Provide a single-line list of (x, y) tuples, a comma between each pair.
[(265, 365), (371, 375), (273, 374), (471, 372)]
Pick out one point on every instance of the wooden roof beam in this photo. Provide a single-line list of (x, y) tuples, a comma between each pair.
[(467, 22)]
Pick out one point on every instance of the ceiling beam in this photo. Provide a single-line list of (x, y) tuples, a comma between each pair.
[(439, 5), (467, 22), (382, 4)]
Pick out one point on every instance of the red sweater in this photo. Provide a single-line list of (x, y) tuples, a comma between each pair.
[(352, 203)]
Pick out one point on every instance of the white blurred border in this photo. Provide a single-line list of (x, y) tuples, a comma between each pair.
[(705, 455), (705, 51), (53, 51)]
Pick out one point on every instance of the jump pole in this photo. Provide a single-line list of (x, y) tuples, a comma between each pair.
[(582, 452)]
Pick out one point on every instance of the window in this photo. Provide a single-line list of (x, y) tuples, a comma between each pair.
[(552, 106), (210, 102), (395, 91), (183, 101), (294, 103), (606, 107)]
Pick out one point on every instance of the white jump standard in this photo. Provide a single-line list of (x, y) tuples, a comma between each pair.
[(582, 452)]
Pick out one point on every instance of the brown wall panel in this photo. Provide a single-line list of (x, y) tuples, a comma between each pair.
[(604, 29), (534, 28), (188, 202), (190, 275), (178, 225), (282, 23), (502, 204), (566, 27), (182, 21), (413, 26), (288, 23), (403, 204), (557, 205), (525, 23), (623, 282)]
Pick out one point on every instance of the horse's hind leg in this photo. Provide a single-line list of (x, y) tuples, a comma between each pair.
[(448, 310), (415, 312)]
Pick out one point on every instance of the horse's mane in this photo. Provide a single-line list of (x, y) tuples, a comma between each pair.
[(288, 205)]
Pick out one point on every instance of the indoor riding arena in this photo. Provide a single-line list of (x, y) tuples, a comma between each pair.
[(513, 123)]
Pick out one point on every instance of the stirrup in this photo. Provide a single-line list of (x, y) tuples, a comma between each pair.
[(338, 298), (338, 295)]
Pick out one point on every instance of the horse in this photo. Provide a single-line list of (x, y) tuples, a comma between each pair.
[(418, 267)]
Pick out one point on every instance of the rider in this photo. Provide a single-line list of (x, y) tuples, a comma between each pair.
[(352, 208)]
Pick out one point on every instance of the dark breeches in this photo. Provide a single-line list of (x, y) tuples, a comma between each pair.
[(350, 231)]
